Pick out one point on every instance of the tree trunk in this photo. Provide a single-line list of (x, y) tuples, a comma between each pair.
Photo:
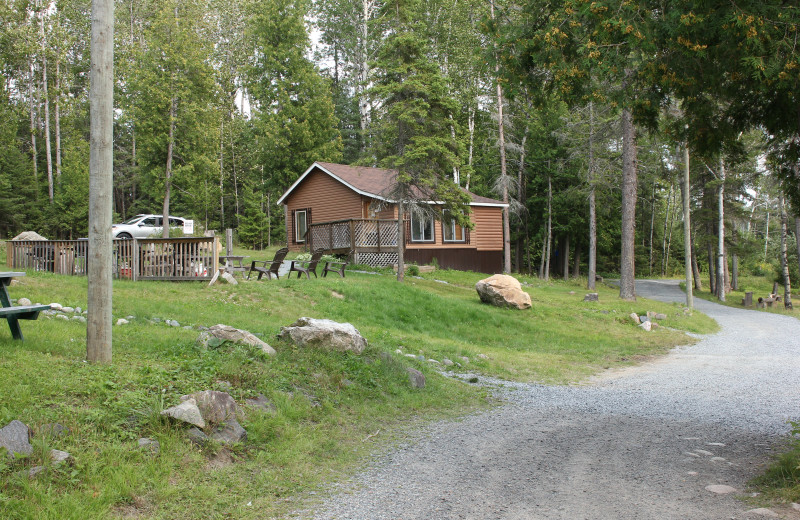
[(672, 216), (363, 72), (766, 239), (521, 196), (592, 275), (797, 237), (47, 149), (721, 233), (471, 127), (168, 170), (787, 284), (101, 167), (549, 242), (712, 278), (652, 227), (57, 120), (735, 273), (689, 260), (221, 175), (33, 104), (698, 280), (667, 213), (566, 257), (627, 274), (235, 181), (401, 241), (503, 172)]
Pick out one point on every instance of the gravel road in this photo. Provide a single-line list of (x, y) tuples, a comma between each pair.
[(636, 443)]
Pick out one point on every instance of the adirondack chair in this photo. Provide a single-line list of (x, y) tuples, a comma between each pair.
[(307, 266), (268, 267)]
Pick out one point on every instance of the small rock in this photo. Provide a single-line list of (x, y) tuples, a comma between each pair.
[(79, 319), (592, 297), (651, 315), (644, 318), (78, 310), (337, 295), (434, 361), (654, 325), (261, 403), (605, 312), (646, 325), (54, 430), (215, 407), (416, 378), (482, 356), (398, 351), (187, 412), (692, 473), (196, 436), (448, 363), (58, 456), (228, 277), (225, 333), (715, 444), (720, 489), (173, 323), (24, 301), (35, 471), (56, 306), (156, 320), (717, 459), (660, 316), (224, 386), (187, 327), (465, 359), (231, 433), (410, 356), (122, 321), (795, 506), (150, 445), (62, 317), (635, 318), (130, 318), (572, 292), (69, 310), (420, 357), (15, 438), (503, 291), (762, 511)]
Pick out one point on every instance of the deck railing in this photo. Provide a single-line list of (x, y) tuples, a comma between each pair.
[(369, 241), (185, 258)]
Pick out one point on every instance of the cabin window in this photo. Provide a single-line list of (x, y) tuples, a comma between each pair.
[(451, 231), (421, 228), (300, 225)]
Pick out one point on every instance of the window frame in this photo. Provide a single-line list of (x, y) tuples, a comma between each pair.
[(426, 219), (452, 225), (297, 237)]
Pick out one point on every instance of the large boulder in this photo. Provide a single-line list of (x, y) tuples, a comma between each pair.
[(15, 438), (325, 334), (187, 412), (221, 333), (215, 407), (502, 290), (29, 235)]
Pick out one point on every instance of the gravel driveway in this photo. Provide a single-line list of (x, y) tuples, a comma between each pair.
[(637, 443)]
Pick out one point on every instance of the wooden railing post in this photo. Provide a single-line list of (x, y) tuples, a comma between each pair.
[(352, 234), (135, 264), (10, 253), (330, 236), (378, 227)]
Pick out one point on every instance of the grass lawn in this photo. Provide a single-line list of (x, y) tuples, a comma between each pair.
[(332, 409)]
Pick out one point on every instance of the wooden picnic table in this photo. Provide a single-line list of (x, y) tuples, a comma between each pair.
[(13, 313), (233, 263)]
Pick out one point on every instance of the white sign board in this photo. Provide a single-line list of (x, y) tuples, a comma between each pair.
[(188, 227)]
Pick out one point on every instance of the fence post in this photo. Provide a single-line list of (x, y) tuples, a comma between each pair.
[(228, 242), (135, 261), (378, 226), (10, 253), (215, 265)]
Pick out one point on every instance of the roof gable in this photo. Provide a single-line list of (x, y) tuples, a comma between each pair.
[(371, 182)]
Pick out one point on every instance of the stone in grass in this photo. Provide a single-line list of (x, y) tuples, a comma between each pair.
[(79, 319), (324, 334), (62, 317), (592, 297), (646, 325), (230, 433), (56, 306), (447, 362), (151, 446), (15, 438), (660, 316), (187, 412), (635, 318), (218, 334), (58, 456), (215, 407), (261, 403), (69, 310), (416, 378), (197, 437), (122, 321), (502, 290), (24, 301)]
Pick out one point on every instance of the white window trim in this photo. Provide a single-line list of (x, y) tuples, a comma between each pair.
[(297, 237), (433, 231), (452, 226)]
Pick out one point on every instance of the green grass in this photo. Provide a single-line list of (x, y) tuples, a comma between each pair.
[(760, 286), (329, 405), (781, 482)]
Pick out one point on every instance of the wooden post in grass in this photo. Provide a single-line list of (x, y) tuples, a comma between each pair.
[(228, 242), (101, 156)]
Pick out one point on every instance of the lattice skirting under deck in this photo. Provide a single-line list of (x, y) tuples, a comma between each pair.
[(376, 259)]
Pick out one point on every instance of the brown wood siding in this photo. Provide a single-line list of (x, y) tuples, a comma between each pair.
[(328, 198), (488, 232), (461, 259)]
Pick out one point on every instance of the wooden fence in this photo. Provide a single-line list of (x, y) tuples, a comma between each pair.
[(365, 241), (187, 258)]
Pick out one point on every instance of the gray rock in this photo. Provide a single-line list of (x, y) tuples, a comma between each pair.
[(325, 334), (482, 356), (660, 316), (448, 363), (150, 445), (58, 456), (225, 333), (69, 310), (187, 327), (215, 407), (762, 511), (29, 235), (228, 277), (646, 325), (24, 301), (156, 320), (223, 386), (35, 471), (122, 321), (420, 357), (173, 323), (62, 317), (79, 319), (130, 318), (410, 356), (196, 436), (720, 489), (643, 319), (261, 403), (54, 430), (231, 433), (592, 297), (465, 359), (502, 290), (416, 378), (15, 438), (635, 318), (434, 361), (187, 412)]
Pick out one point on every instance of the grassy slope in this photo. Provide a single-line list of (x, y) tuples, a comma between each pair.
[(328, 405)]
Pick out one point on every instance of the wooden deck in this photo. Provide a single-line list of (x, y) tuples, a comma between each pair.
[(189, 258), (365, 241)]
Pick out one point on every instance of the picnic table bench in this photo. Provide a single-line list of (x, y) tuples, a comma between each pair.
[(334, 267), (12, 313)]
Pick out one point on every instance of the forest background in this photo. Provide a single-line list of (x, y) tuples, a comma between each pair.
[(561, 107)]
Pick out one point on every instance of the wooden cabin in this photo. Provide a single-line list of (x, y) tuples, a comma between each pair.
[(346, 210)]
